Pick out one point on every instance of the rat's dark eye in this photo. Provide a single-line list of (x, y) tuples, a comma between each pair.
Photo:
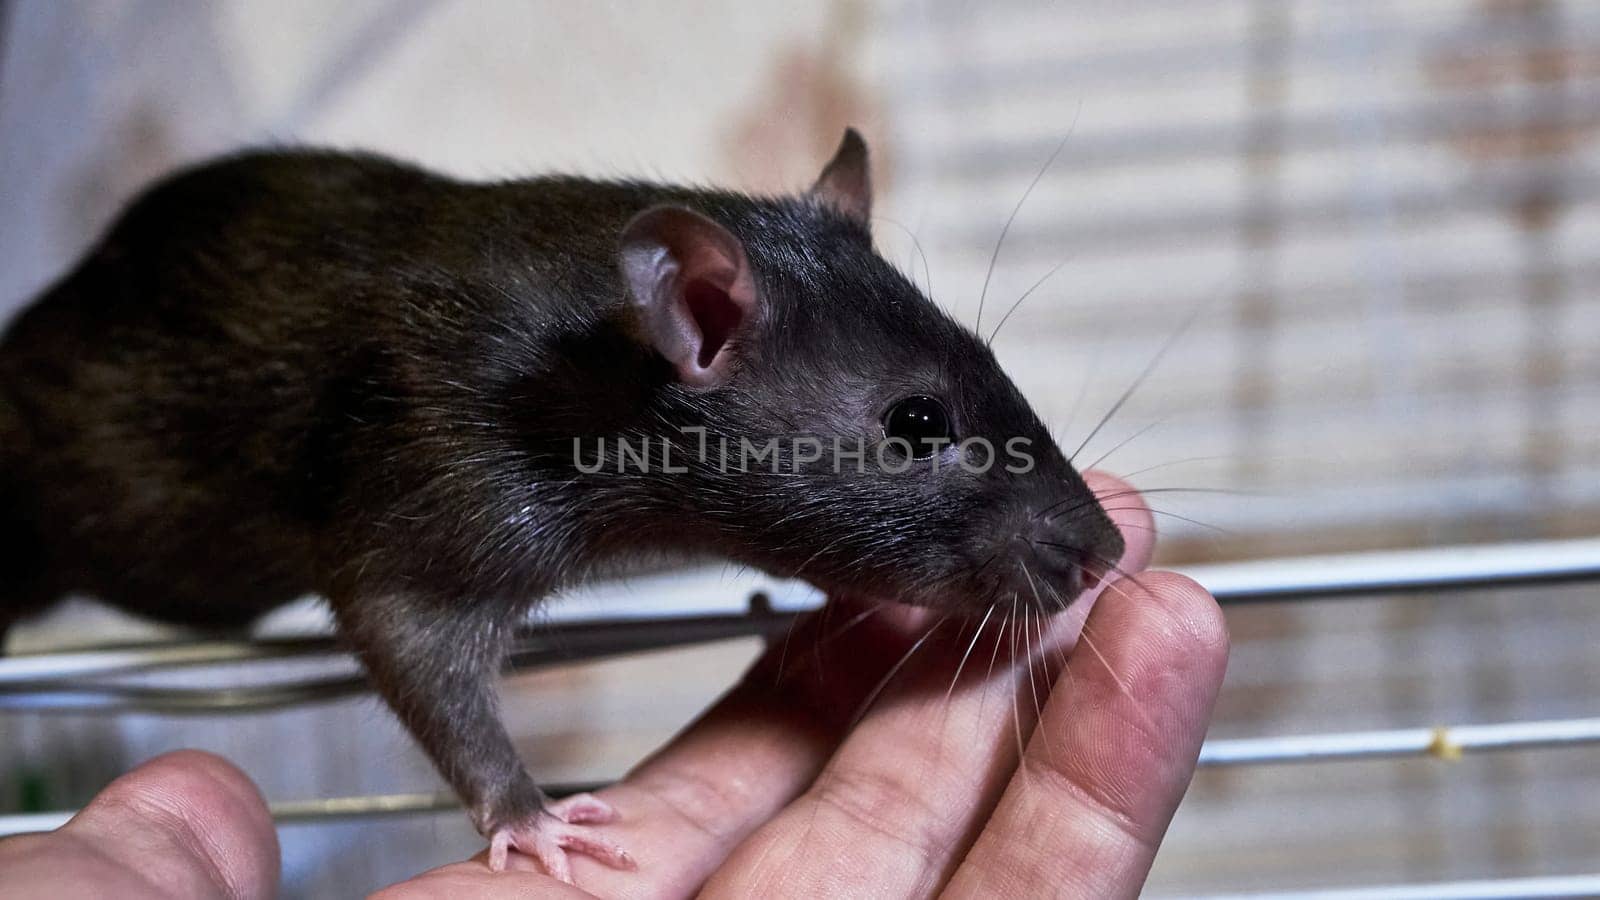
[(921, 422)]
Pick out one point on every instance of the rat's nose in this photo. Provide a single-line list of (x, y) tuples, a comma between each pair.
[(1061, 566), (1069, 563)]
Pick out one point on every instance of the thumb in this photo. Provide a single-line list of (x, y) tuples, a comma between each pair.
[(186, 824)]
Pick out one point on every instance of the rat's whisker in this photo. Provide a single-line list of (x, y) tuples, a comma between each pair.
[(1175, 462), (944, 709), (1025, 294), (1113, 567), (1066, 670), (994, 654), (1028, 577), (1057, 545), (1032, 662), (1083, 386), (1085, 638), (815, 556), (1037, 602), (1149, 528), (979, 570), (1001, 242), (1055, 646), (1183, 328), (963, 663), (1049, 512), (783, 652), (1061, 604), (1044, 738), (1172, 515), (916, 244), (822, 626), (1122, 686), (1227, 492), (1125, 442), (1016, 710), (1028, 657), (1055, 511), (854, 620), (894, 670)]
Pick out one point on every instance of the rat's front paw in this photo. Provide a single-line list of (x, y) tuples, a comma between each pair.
[(547, 835)]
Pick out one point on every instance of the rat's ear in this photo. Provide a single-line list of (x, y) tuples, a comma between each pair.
[(845, 183), (692, 289)]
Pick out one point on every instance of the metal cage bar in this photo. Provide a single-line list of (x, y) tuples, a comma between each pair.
[(67, 681), (1551, 886)]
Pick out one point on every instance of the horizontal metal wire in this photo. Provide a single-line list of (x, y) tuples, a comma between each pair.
[(1221, 222), (52, 682), (1547, 886), (317, 811), (1367, 41), (1448, 118), (38, 685), (1458, 568), (1444, 743)]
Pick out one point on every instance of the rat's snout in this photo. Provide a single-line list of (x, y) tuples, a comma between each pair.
[(1069, 558), (1061, 568), (1064, 565)]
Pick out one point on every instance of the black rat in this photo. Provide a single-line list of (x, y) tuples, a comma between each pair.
[(298, 372)]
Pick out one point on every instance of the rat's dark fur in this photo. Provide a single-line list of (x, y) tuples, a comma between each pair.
[(296, 372)]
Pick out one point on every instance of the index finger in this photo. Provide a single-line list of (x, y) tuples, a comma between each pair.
[(1111, 756)]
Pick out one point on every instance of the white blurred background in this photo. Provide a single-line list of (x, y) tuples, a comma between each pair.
[(1384, 218)]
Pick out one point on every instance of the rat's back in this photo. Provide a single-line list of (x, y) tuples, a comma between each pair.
[(164, 409)]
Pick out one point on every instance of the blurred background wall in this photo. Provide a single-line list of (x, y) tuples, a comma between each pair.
[(1381, 218)]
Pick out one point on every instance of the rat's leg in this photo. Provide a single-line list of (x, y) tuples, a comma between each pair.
[(436, 667), (24, 590)]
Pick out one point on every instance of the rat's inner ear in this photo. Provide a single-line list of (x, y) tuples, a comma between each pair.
[(692, 287), (846, 182)]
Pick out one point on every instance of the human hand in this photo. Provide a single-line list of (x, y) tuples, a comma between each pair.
[(779, 790), (183, 825)]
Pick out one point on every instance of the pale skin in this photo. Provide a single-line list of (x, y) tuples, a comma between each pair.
[(781, 789)]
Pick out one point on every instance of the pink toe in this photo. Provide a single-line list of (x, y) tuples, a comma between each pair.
[(601, 850), (554, 859), (583, 809), (497, 851)]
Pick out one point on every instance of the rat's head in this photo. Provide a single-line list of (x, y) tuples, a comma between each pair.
[(907, 465)]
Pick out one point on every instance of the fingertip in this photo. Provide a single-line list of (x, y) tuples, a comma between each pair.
[(1167, 638), (214, 790), (206, 774), (1126, 507), (1192, 619)]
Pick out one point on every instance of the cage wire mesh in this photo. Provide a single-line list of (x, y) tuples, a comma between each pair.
[(1381, 217)]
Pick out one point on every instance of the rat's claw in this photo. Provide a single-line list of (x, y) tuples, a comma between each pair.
[(547, 838)]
